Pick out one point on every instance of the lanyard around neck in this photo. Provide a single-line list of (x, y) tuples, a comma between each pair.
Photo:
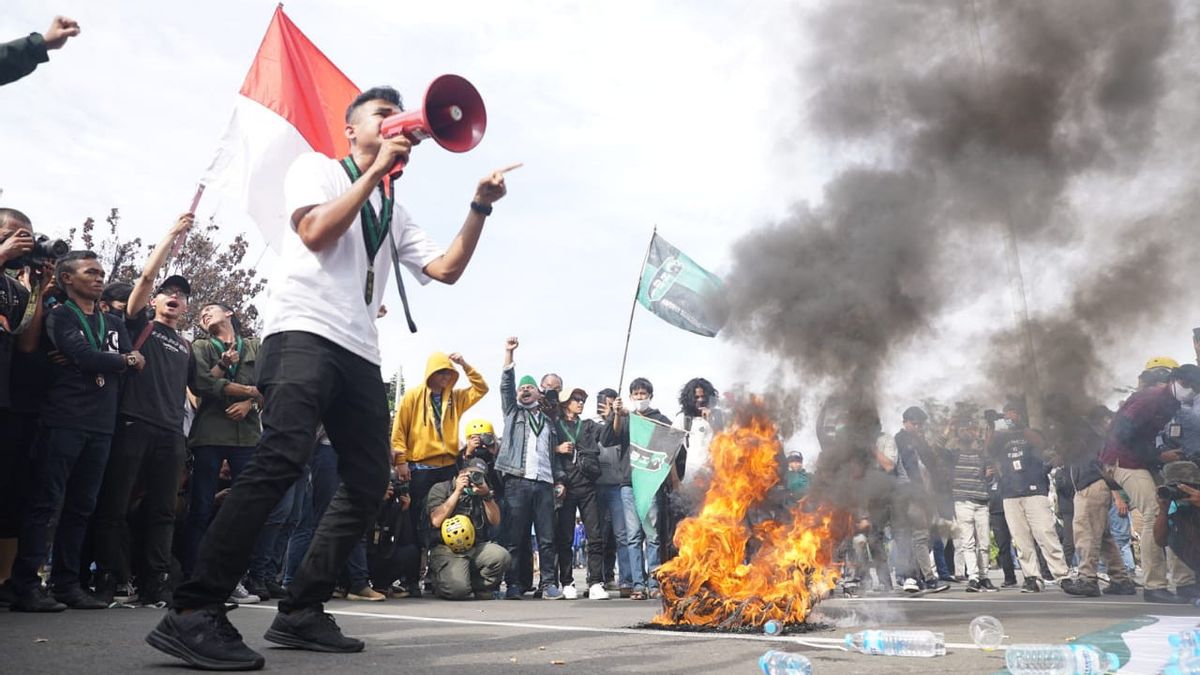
[(93, 339), (375, 228)]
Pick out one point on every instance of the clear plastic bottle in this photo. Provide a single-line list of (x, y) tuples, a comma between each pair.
[(1059, 660), (898, 642), (987, 632), (776, 662), (1186, 643), (1187, 665), (773, 627)]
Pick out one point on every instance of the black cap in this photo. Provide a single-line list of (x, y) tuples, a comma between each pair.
[(915, 414), (1189, 375), (476, 464), (117, 290), (178, 282)]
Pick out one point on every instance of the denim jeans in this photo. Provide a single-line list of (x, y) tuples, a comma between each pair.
[(206, 469), (530, 502), (317, 488), (305, 380), (67, 477), (263, 561), (1122, 536), (641, 567), (612, 508)]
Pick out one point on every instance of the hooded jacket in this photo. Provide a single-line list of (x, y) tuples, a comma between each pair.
[(416, 435)]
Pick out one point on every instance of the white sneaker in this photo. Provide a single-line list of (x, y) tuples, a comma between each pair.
[(597, 592), (569, 592), (243, 597), (911, 586)]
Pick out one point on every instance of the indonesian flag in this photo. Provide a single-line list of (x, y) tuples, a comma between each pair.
[(292, 102)]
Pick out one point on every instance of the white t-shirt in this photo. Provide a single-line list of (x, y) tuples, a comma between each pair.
[(322, 292)]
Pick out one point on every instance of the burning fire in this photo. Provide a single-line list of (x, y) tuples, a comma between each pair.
[(737, 568)]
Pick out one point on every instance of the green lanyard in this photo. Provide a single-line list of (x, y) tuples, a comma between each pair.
[(537, 422), (374, 227), (96, 341), (220, 346), (565, 430)]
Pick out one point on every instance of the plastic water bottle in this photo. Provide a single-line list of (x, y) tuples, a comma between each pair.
[(1189, 665), (1186, 643), (776, 662), (898, 642), (773, 627), (1059, 660), (987, 632)]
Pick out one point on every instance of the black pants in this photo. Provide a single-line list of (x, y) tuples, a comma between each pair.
[(585, 502), (1066, 534), (422, 482), (18, 432), (67, 471), (158, 455), (1003, 545), (305, 380)]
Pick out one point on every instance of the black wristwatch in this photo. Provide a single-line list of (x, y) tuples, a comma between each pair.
[(488, 497), (481, 209)]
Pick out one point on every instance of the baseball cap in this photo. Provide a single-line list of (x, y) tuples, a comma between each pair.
[(176, 281), (1181, 472)]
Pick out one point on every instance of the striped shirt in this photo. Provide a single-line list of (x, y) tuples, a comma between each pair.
[(969, 481)]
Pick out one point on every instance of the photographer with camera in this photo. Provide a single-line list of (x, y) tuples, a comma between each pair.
[(464, 563), (78, 419), (1025, 488), (425, 428), (392, 548), (1177, 525), (1131, 457)]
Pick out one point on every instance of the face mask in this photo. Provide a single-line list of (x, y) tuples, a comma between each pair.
[(641, 405), (1183, 394)]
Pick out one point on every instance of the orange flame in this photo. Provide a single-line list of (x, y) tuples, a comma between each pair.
[(711, 582)]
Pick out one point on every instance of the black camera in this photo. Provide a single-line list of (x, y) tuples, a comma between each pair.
[(1171, 492), (400, 487), (477, 477), (45, 250)]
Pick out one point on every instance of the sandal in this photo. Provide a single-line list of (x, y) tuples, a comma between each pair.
[(637, 594)]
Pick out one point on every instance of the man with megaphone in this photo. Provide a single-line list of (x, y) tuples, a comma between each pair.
[(319, 362)]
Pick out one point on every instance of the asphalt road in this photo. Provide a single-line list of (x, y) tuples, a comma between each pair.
[(581, 636)]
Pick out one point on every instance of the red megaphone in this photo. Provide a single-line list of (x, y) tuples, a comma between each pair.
[(452, 115)]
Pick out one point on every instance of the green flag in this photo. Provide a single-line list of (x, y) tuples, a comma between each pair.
[(678, 290), (652, 448)]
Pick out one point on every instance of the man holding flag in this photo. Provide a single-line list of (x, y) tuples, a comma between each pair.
[(319, 363), (653, 451)]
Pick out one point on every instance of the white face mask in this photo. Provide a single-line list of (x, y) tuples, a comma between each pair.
[(1182, 393), (641, 405)]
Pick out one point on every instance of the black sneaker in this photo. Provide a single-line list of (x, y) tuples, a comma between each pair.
[(1032, 585), (35, 601), (256, 586), (106, 588), (156, 592), (972, 586), (1126, 587), (275, 588), (204, 639), (1163, 596), (77, 598), (312, 629), (1086, 588), (1008, 583), (936, 586), (985, 585), (1189, 592), (8, 594)]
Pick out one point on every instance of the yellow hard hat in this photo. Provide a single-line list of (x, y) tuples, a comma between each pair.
[(458, 533), (1161, 362), (478, 426)]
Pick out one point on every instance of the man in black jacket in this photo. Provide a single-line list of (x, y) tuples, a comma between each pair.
[(578, 453), (77, 428)]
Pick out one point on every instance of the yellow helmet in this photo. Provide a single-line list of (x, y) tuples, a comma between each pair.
[(478, 426), (458, 533), (1161, 362)]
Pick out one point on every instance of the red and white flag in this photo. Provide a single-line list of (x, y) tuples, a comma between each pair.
[(292, 102)]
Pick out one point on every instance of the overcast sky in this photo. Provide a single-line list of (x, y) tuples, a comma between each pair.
[(627, 114)]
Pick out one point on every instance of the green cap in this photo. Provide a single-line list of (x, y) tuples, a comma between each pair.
[(527, 380)]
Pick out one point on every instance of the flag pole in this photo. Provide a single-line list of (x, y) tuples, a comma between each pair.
[(179, 241), (636, 293)]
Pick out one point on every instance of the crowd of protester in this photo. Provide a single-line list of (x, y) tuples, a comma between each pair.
[(1055, 503)]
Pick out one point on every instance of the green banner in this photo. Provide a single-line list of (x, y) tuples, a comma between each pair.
[(652, 448), (678, 290)]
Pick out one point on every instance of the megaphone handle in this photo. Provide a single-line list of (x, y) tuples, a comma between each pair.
[(396, 172)]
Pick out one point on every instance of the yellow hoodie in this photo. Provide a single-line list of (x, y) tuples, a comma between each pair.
[(415, 433)]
